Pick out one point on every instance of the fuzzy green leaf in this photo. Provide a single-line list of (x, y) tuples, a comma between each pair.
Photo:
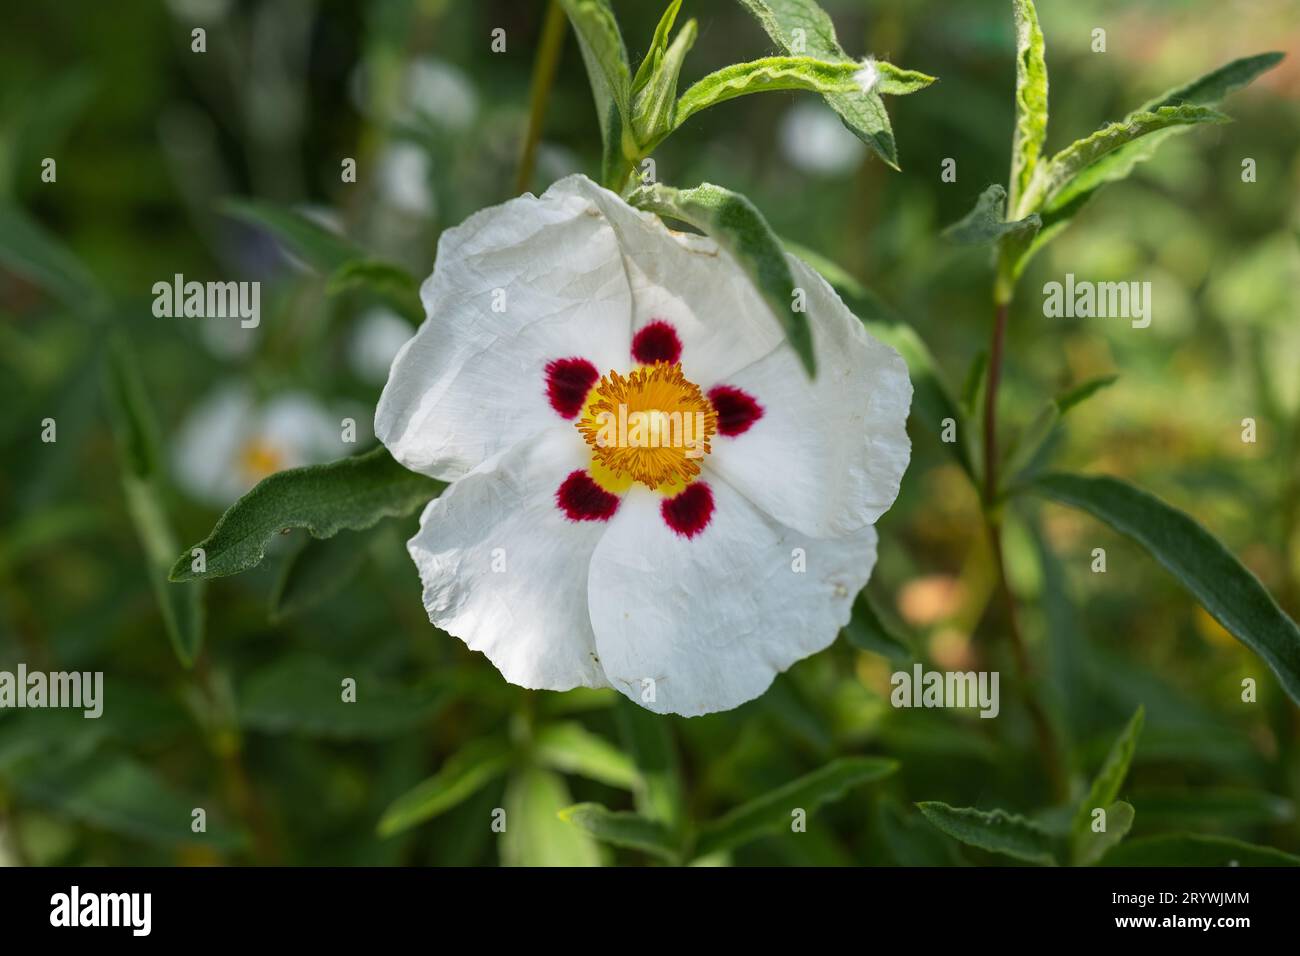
[(863, 112), (1031, 101), (620, 829), (654, 108), (1089, 847), (605, 58), (135, 433), (985, 224), (324, 251), (761, 76), (1214, 86), (348, 494), (658, 45), (465, 773), (737, 226), (569, 747), (1200, 563), (771, 813), (1110, 778), (317, 570), (535, 835), (993, 830)]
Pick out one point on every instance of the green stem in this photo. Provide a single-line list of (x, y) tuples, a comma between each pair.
[(548, 58)]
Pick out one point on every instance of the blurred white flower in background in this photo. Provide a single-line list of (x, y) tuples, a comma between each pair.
[(376, 339), (404, 179), (433, 90), (813, 140), (230, 442)]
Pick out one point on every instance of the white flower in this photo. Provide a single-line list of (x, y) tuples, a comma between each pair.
[(379, 335), (404, 178), (570, 553), (229, 443), (814, 140)]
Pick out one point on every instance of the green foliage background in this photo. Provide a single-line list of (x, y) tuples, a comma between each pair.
[(238, 712)]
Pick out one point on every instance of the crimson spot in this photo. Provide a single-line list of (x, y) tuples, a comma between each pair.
[(568, 380), (737, 409), (688, 513), (656, 342), (581, 499)]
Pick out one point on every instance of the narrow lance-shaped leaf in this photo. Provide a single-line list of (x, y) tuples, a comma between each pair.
[(1022, 453), (802, 28), (467, 771), (1090, 846), (985, 224), (348, 494), (135, 432), (993, 830), (621, 829), (648, 739), (658, 44), (535, 835), (605, 58), (1110, 778), (736, 225), (324, 251), (390, 282), (571, 748), (654, 108), (1031, 101), (1210, 573), (771, 812), (761, 76)]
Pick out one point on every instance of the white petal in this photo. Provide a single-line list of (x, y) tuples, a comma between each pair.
[(472, 381), (530, 619), (686, 280), (827, 456), (712, 619)]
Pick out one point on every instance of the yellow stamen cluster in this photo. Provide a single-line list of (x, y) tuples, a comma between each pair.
[(652, 425)]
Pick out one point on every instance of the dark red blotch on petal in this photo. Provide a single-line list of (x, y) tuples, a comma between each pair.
[(568, 380), (688, 513), (656, 342), (737, 409), (581, 499)]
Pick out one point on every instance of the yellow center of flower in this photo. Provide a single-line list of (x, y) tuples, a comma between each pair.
[(258, 459), (651, 426)]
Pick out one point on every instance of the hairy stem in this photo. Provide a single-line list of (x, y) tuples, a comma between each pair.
[(548, 58)]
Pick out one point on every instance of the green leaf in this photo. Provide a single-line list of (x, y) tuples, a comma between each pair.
[(1214, 86), (1110, 778), (118, 794), (994, 830), (324, 251), (390, 282), (984, 224), (1089, 847), (1085, 164), (654, 108), (348, 494), (535, 835), (738, 227), (1031, 101), (317, 570), (862, 112), (1217, 807), (761, 76), (1192, 850), (1209, 572), (303, 694), (135, 433), (28, 250), (867, 632), (569, 747), (648, 740), (1026, 448), (658, 45), (771, 813), (896, 81), (605, 58), (467, 771), (627, 830)]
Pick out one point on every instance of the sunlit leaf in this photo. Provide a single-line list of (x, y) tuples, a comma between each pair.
[(571, 748), (535, 835), (628, 830), (467, 771)]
